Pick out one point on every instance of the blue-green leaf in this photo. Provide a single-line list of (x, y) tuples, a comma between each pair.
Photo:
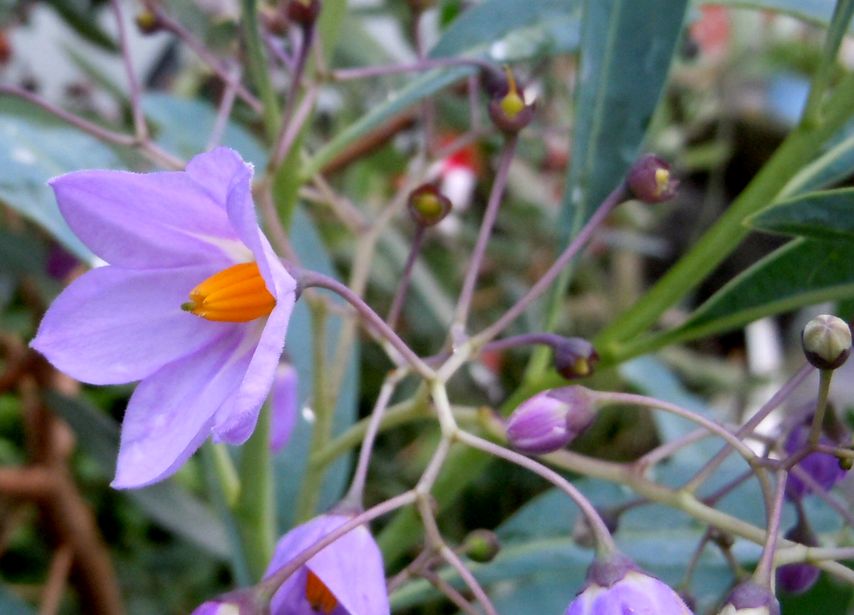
[(626, 50)]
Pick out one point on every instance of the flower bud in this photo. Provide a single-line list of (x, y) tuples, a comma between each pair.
[(649, 180), (799, 578), (508, 108), (617, 586), (427, 205), (481, 546), (147, 21), (550, 420), (303, 12), (827, 341), (748, 598), (575, 357), (823, 468)]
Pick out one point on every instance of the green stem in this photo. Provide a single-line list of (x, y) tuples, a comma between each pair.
[(312, 481), (255, 509), (825, 376), (258, 68), (722, 238)]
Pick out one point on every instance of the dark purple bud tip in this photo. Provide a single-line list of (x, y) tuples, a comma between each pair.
[(147, 21), (650, 180), (799, 578), (303, 12), (481, 546), (428, 206), (827, 341), (748, 598), (550, 420), (508, 108), (575, 357)]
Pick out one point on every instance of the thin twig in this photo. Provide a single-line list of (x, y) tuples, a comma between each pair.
[(139, 126)]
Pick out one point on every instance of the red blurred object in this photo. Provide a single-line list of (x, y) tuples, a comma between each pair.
[(712, 31)]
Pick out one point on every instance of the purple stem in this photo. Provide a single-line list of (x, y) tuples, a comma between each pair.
[(309, 279), (403, 284), (151, 151), (765, 569), (604, 542), (766, 409), (288, 133), (492, 206), (617, 196), (226, 104), (271, 584), (206, 56), (140, 128)]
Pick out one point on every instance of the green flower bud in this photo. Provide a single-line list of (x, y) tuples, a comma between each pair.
[(428, 206), (508, 108), (826, 341), (481, 546), (147, 21)]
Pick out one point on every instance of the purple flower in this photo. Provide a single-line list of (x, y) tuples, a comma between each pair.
[(193, 303), (284, 400), (345, 578), (550, 420), (619, 588), (822, 468)]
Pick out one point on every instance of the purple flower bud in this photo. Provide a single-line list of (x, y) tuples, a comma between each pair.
[(799, 578), (649, 180), (575, 357), (748, 598), (427, 205), (303, 12), (508, 108), (827, 341), (550, 420), (617, 587), (823, 468)]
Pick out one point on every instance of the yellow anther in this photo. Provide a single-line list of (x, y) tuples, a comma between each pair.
[(236, 294)]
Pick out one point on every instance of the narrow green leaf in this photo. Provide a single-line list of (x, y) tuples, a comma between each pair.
[(831, 167), (819, 215), (803, 272), (165, 503), (626, 50)]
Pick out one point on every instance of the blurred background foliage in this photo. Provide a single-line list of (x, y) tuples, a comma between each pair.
[(716, 92)]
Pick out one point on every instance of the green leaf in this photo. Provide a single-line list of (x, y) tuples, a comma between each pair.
[(165, 503), (626, 50), (31, 152), (819, 215), (499, 30), (803, 272), (831, 167)]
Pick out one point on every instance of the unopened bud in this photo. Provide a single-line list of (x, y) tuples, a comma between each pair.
[(303, 12), (550, 420), (650, 180), (508, 108), (147, 21), (481, 546), (428, 206), (575, 357), (846, 463), (748, 598), (827, 341), (799, 578)]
